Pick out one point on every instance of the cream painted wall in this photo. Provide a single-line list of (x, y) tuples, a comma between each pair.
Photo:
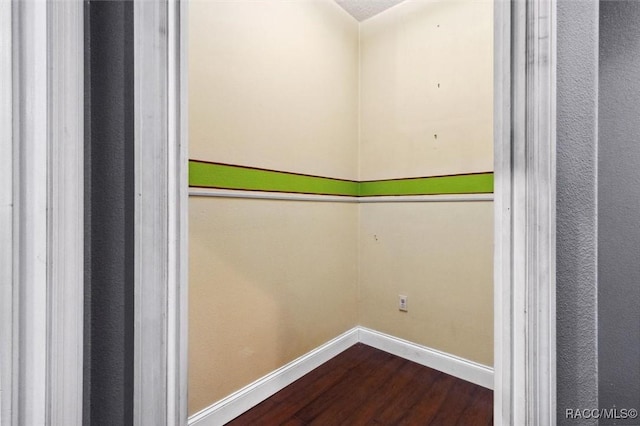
[(274, 84), (269, 281), (440, 255), (405, 52)]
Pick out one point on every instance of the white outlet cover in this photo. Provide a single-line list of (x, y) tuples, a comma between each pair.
[(402, 302)]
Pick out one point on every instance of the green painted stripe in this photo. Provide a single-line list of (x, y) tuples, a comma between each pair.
[(224, 176), (480, 183)]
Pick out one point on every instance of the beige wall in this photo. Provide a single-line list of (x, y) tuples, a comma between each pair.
[(439, 255), (274, 84), (405, 53), (269, 281)]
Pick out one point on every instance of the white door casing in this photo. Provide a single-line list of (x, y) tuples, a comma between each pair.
[(42, 212), (525, 179)]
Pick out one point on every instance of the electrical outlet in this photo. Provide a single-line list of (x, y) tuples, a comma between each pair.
[(402, 303)]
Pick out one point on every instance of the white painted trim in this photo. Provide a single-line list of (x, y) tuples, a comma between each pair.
[(251, 395), (450, 364), (151, 207), (30, 139), (503, 343), (66, 212), (181, 363), (238, 402), (525, 317), (540, 211), (449, 198), (229, 193), (249, 195), (178, 314), (7, 242), (151, 153), (42, 204), (160, 362)]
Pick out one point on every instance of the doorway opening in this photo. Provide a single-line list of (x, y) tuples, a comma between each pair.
[(339, 162)]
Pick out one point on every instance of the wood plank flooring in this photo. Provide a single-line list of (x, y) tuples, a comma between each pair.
[(366, 386)]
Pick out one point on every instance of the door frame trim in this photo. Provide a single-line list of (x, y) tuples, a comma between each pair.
[(42, 212), (525, 212), (161, 187)]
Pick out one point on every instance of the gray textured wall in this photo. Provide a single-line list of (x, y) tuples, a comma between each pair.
[(577, 88), (619, 208), (109, 213)]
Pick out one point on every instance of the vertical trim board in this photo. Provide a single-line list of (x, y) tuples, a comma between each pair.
[(540, 220), (42, 212), (66, 212), (160, 364), (30, 203), (503, 339), (525, 318), (151, 210), (7, 242), (178, 182)]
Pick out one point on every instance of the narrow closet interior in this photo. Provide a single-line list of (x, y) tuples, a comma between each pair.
[(338, 161)]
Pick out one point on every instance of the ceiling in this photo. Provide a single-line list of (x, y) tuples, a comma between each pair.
[(365, 9)]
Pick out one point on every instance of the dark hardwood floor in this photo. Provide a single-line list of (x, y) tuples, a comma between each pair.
[(366, 386)]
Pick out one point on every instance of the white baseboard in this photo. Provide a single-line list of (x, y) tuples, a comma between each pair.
[(441, 361), (238, 402)]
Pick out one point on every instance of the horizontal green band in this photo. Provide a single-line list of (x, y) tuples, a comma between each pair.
[(480, 183), (223, 176), (226, 176)]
